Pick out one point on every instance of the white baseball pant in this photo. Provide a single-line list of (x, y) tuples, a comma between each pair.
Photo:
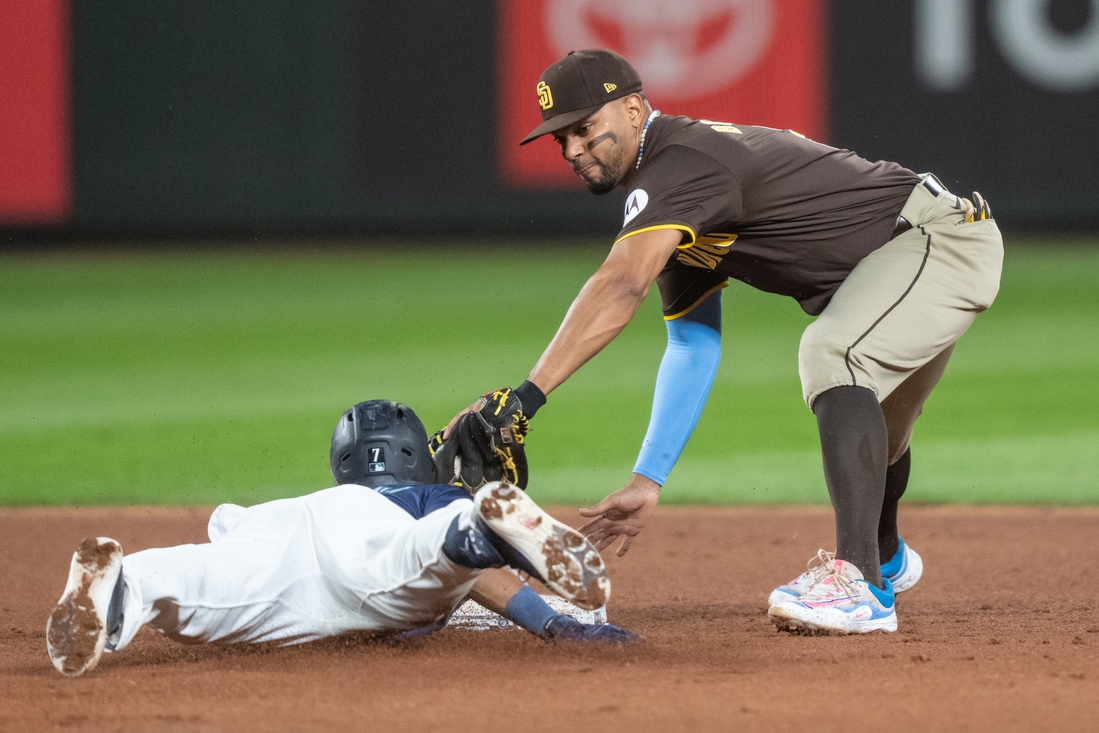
[(296, 570)]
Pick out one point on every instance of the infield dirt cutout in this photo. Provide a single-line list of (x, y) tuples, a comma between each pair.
[(1001, 634)]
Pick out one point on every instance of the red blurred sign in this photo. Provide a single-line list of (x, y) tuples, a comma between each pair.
[(35, 179), (757, 62)]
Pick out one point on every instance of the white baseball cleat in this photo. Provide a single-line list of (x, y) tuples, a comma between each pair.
[(841, 602), (905, 568), (77, 630), (903, 571), (560, 557), (817, 569)]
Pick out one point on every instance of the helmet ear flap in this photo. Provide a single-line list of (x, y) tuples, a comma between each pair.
[(343, 441)]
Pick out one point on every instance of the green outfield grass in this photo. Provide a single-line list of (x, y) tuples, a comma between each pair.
[(209, 376)]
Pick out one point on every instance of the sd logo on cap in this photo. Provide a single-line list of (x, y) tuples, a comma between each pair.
[(582, 82)]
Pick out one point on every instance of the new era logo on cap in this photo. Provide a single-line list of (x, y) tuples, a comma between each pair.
[(582, 82)]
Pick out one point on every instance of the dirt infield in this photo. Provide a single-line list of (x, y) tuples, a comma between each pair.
[(1001, 634)]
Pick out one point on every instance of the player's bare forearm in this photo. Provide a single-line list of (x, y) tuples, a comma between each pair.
[(596, 317), (494, 588), (605, 305)]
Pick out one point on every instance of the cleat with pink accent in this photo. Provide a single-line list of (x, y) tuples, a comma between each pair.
[(817, 569), (839, 602), (903, 571)]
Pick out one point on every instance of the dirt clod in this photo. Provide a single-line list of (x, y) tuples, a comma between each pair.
[(491, 509)]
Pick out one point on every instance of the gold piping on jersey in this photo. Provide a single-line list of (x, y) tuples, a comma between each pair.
[(681, 227), (698, 302)]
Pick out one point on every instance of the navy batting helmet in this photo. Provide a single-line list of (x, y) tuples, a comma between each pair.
[(380, 443)]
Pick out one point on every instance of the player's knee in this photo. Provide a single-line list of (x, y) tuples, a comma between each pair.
[(898, 446), (824, 364)]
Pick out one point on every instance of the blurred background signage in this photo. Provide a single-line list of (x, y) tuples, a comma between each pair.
[(363, 117), (34, 112), (1052, 45), (1001, 96)]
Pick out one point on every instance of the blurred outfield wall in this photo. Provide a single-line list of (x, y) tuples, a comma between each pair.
[(240, 117)]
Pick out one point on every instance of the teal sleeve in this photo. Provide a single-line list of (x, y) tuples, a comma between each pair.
[(683, 384)]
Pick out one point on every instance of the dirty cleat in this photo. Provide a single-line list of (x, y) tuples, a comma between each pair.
[(904, 569), (817, 569), (77, 630), (839, 603), (532, 540)]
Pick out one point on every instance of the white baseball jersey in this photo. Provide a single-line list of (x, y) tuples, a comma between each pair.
[(301, 569)]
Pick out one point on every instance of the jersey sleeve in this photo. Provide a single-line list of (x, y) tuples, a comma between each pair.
[(681, 188)]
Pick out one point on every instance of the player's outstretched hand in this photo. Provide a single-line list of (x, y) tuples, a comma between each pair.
[(566, 627), (622, 514)]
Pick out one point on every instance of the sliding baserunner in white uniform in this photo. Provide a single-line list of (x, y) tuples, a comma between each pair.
[(383, 553)]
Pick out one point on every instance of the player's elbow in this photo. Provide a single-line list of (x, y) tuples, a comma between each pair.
[(634, 290), (624, 286)]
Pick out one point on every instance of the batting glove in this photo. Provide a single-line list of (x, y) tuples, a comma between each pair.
[(566, 627)]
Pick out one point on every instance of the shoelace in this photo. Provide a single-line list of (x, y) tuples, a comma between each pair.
[(839, 581), (510, 469), (818, 566)]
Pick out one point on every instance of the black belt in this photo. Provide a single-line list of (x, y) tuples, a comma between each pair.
[(931, 183)]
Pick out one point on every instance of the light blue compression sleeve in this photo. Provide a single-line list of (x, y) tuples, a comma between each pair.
[(683, 383)]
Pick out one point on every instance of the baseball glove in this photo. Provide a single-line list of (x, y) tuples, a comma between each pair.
[(485, 445)]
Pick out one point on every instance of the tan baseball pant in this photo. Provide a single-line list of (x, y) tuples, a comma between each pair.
[(892, 324)]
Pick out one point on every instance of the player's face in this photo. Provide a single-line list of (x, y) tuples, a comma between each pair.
[(600, 147)]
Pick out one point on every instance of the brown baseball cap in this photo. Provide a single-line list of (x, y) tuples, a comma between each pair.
[(579, 84)]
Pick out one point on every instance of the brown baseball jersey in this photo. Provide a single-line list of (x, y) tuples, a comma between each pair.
[(769, 207)]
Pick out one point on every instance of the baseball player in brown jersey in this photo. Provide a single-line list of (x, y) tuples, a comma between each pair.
[(894, 267)]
